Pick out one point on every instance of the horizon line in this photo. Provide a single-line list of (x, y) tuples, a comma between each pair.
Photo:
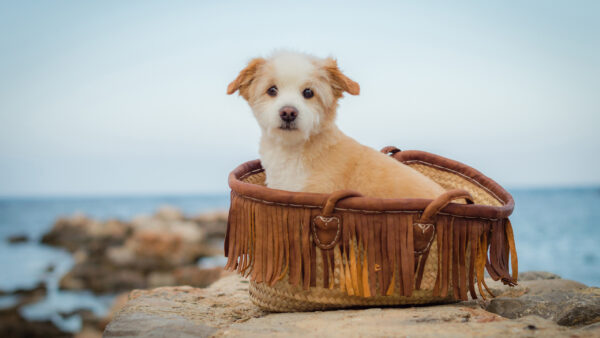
[(174, 194)]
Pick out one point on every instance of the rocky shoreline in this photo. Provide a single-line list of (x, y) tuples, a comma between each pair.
[(149, 251), (541, 305), (113, 257)]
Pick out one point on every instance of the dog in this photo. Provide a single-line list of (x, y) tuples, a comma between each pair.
[(294, 97)]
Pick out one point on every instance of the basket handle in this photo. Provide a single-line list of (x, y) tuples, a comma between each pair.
[(327, 228), (443, 200), (334, 197), (390, 150)]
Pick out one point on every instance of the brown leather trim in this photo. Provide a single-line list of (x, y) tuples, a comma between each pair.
[(334, 197), (443, 200), (381, 205)]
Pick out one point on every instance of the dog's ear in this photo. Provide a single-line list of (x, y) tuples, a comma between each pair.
[(243, 80), (340, 82)]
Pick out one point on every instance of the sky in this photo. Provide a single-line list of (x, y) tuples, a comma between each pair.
[(128, 97)]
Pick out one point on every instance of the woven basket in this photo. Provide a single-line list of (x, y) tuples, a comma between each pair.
[(307, 251)]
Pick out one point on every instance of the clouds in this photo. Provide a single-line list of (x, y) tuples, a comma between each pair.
[(130, 98)]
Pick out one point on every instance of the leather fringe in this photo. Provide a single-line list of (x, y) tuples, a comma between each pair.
[(375, 255), (501, 246)]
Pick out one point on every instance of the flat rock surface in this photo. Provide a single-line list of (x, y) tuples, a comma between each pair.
[(534, 308)]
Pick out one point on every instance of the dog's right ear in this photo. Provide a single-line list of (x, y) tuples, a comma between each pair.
[(243, 80)]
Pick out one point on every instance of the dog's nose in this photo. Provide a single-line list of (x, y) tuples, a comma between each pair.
[(288, 113)]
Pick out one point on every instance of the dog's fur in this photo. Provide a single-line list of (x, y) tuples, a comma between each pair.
[(311, 154)]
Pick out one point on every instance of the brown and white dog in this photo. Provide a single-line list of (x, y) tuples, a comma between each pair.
[(294, 99)]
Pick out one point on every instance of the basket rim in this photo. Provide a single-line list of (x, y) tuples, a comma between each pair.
[(381, 205)]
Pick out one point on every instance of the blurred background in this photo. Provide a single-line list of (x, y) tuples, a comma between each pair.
[(116, 136)]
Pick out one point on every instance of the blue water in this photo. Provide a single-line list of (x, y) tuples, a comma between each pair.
[(556, 230)]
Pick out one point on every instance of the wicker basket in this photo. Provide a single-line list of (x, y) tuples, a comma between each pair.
[(306, 251)]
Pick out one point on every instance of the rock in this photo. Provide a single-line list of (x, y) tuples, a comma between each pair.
[(28, 295), (14, 239), (193, 276), (13, 325), (184, 311), (185, 275), (217, 216), (68, 233), (587, 311), (530, 287), (121, 256), (156, 245), (188, 231), (563, 301), (224, 309), (167, 248), (81, 233), (94, 326), (214, 223), (115, 256), (435, 321), (156, 279), (169, 213), (535, 275), (88, 332), (102, 279), (151, 325)]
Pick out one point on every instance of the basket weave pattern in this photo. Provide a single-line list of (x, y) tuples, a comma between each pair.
[(380, 256)]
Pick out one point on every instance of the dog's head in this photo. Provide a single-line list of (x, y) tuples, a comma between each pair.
[(293, 95)]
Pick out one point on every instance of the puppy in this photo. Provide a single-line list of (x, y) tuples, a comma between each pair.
[(294, 99)]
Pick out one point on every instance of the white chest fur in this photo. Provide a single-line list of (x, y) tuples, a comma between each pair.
[(284, 167)]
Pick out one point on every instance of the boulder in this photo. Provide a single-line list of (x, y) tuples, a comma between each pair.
[(569, 304), (192, 276), (115, 256), (82, 233), (12, 324), (168, 247), (545, 294), (224, 309), (102, 279), (169, 213), (535, 275), (214, 223), (184, 311)]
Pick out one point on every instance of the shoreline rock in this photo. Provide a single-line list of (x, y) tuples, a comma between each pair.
[(12, 324), (149, 251), (224, 309), (116, 256), (565, 302)]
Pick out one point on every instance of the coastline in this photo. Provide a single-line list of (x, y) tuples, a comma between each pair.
[(73, 280), (100, 261)]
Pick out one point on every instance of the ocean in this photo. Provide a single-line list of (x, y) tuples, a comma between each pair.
[(556, 230)]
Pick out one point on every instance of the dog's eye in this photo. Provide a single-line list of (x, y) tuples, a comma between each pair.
[(308, 93), (272, 91)]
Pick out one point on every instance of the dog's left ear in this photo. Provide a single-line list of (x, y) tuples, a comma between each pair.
[(340, 82), (244, 79)]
